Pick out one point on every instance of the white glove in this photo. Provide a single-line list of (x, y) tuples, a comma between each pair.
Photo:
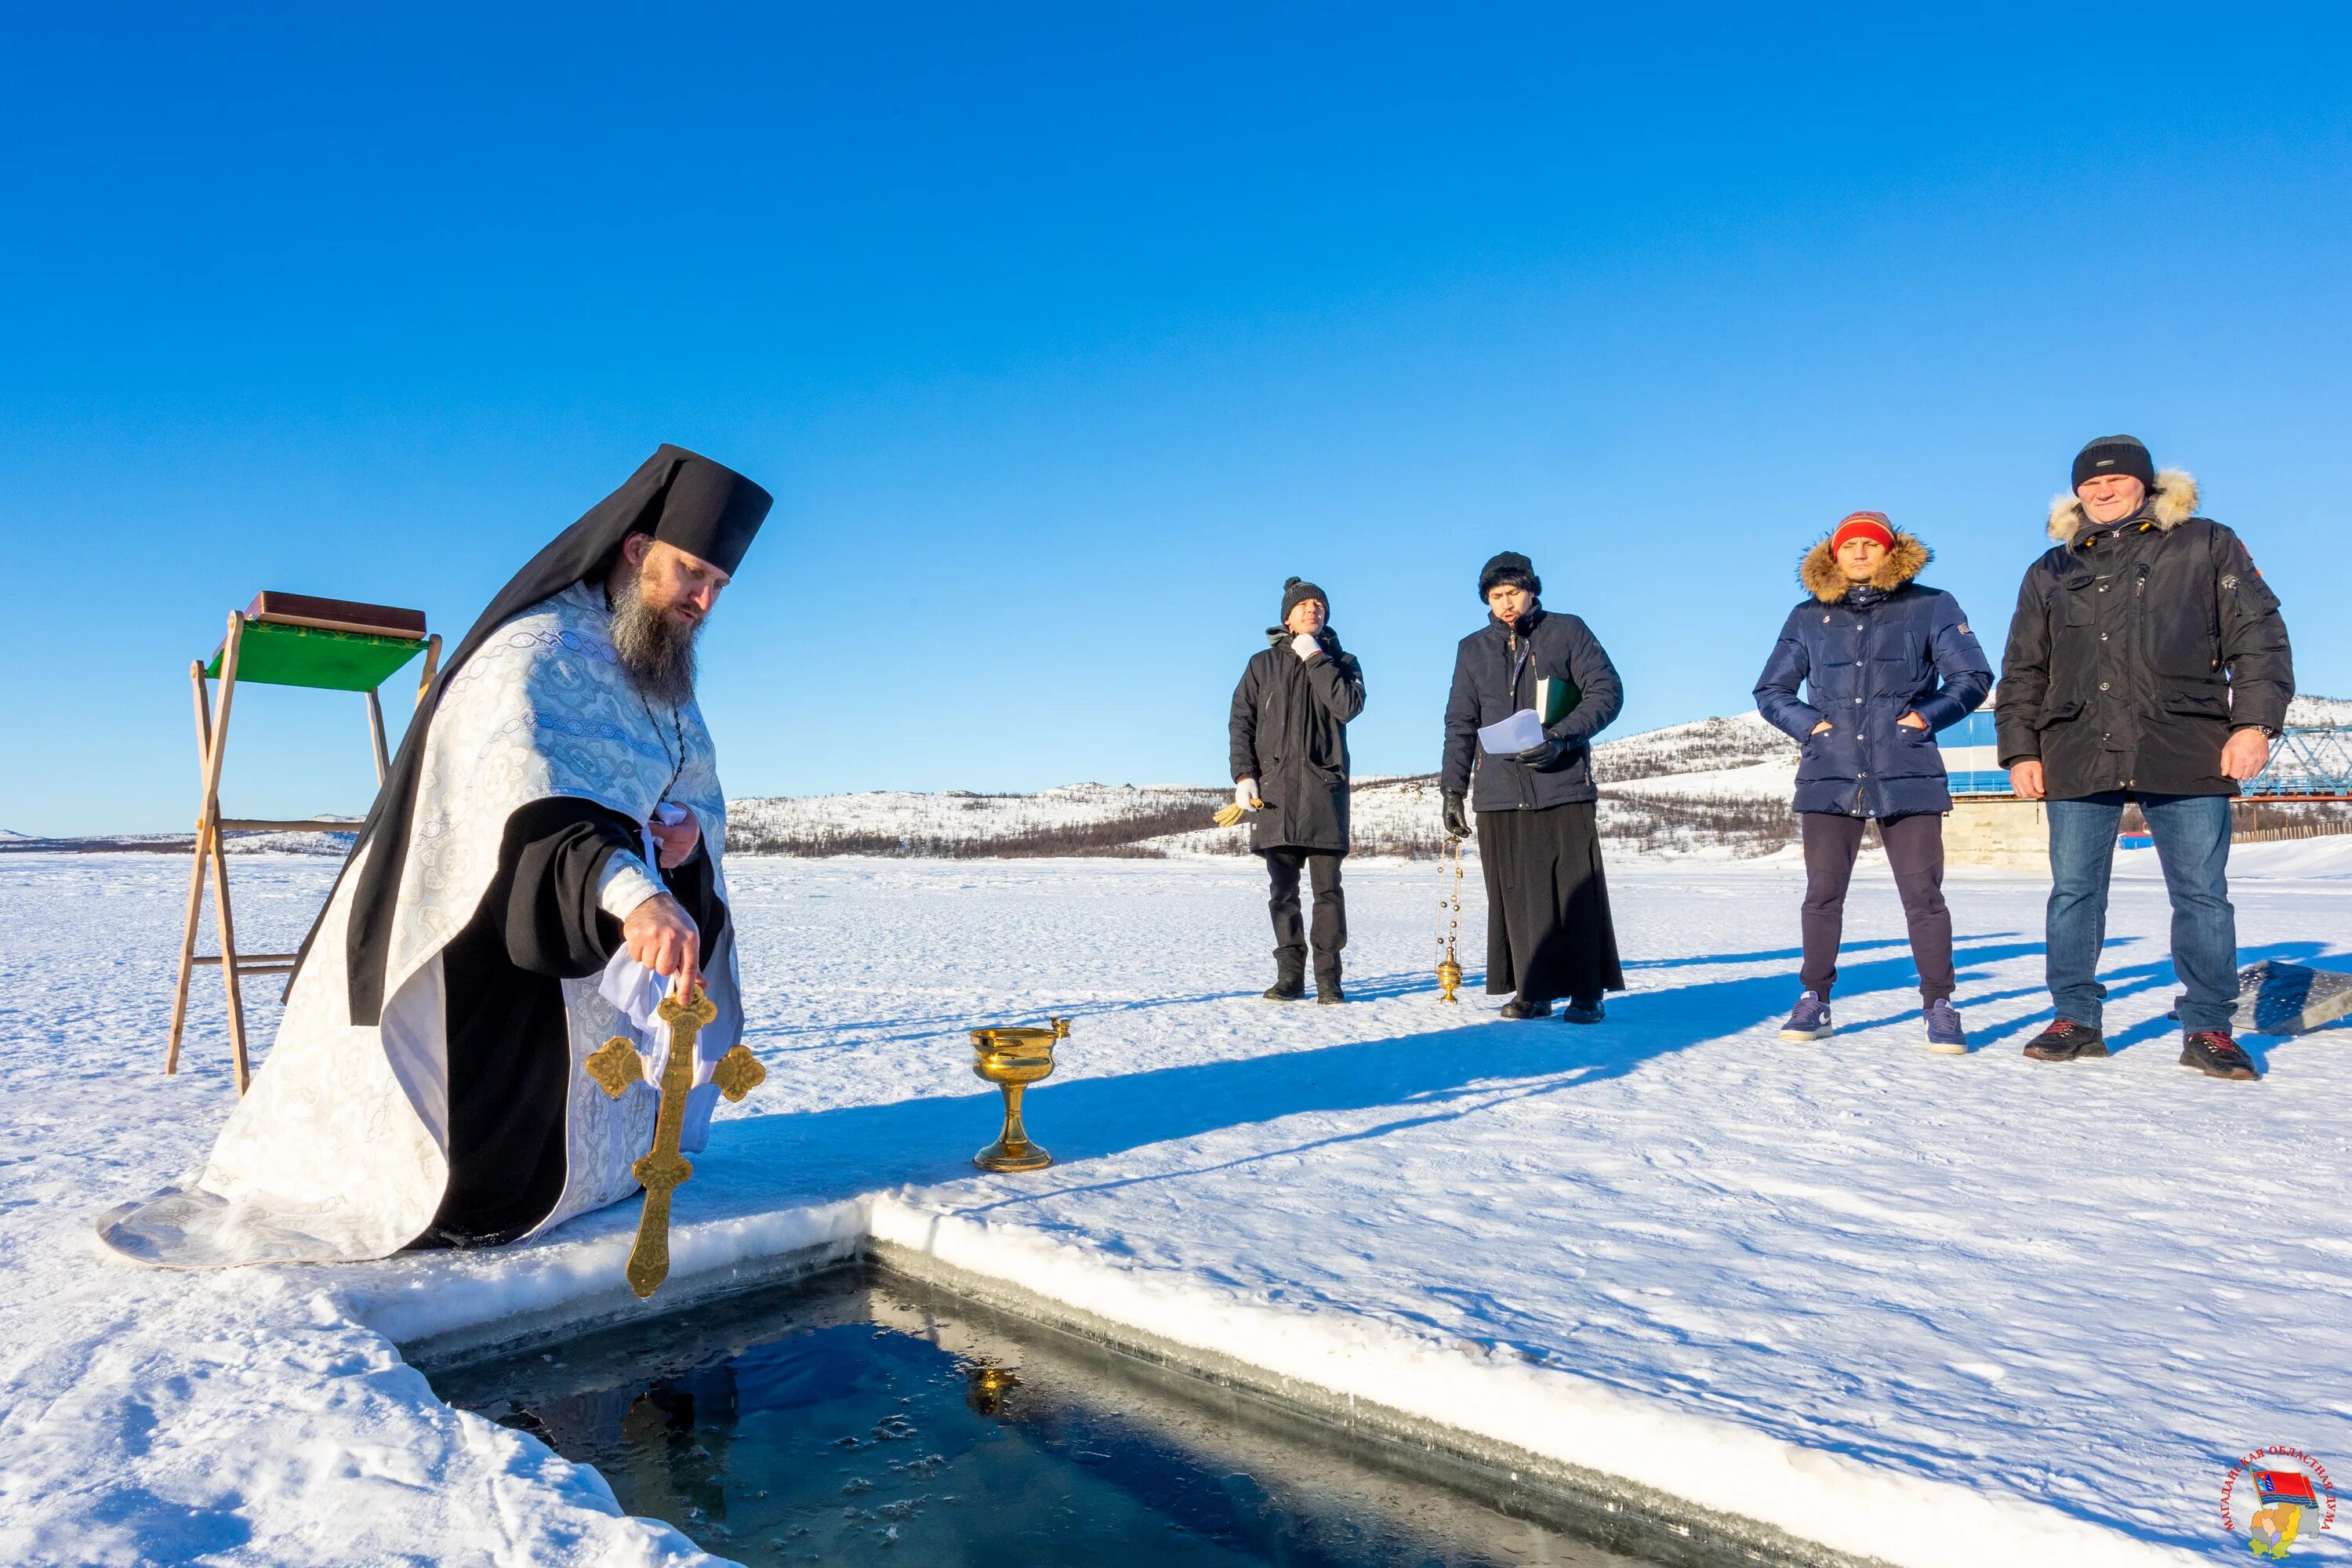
[(1246, 794), (1305, 646)]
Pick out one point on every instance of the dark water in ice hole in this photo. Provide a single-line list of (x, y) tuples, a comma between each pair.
[(858, 1421)]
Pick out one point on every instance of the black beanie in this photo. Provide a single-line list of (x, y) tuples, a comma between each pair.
[(2114, 455), (1510, 567), (1297, 591)]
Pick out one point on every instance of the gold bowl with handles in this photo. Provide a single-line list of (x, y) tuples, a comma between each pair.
[(1012, 1060)]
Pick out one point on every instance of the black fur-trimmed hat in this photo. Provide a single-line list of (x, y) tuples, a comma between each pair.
[(1510, 567), (1297, 591)]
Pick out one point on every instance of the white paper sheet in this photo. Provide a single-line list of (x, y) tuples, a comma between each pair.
[(1522, 731)]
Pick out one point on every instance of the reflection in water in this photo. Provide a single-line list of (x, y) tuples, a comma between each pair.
[(858, 1422)]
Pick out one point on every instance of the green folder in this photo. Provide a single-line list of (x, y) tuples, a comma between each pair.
[(1556, 699)]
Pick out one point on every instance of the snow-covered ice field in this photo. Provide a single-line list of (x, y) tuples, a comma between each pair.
[(1937, 1311)]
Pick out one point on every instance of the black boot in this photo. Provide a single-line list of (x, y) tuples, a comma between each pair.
[(1515, 1008), (2065, 1041), (1326, 986), (1583, 1012), (1288, 988)]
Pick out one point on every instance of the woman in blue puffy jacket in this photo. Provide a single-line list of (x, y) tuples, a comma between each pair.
[(1885, 663)]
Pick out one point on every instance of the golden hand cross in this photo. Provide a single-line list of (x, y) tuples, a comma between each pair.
[(615, 1066)]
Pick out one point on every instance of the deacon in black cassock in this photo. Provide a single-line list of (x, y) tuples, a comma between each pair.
[(1550, 932), (554, 812)]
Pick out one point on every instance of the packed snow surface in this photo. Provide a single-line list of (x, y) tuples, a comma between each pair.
[(1972, 1311)]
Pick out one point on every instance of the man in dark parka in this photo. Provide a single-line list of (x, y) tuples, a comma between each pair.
[(2147, 662), (1289, 735), (1885, 661)]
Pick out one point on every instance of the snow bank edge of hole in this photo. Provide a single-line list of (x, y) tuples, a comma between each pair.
[(1480, 1405), (1653, 1456), (460, 1312)]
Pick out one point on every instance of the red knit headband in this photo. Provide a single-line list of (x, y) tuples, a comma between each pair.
[(1862, 525)]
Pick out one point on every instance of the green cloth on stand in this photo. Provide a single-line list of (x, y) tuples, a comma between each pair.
[(278, 655)]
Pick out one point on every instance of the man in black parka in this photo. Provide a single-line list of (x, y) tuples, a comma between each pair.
[(2146, 662), (1289, 733)]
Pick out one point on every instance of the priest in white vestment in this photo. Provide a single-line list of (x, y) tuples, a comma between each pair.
[(554, 807)]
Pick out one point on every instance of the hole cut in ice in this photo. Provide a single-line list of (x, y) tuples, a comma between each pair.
[(856, 1419)]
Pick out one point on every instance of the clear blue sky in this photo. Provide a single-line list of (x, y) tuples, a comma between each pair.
[(1063, 334)]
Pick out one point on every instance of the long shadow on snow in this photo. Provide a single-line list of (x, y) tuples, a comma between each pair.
[(1769, 955), (2155, 974), (933, 1026), (1441, 1075), (936, 1025), (951, 1026)]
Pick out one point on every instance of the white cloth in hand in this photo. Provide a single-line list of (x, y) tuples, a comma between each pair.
[(1305, 646), (630, 986), (634, 989), (635, 992), (1246, 794), (627, 882)]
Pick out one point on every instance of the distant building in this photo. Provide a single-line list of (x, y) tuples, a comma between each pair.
[(1973, 754)]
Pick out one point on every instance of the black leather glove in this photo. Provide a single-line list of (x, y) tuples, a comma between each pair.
[(1458, 819), (1543, 756)]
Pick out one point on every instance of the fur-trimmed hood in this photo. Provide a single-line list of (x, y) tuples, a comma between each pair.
[(2174, 503), (1820, 573)]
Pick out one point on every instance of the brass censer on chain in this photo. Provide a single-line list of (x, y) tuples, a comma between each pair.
[(1449, 968), (615, 1066), (1012, 1060)]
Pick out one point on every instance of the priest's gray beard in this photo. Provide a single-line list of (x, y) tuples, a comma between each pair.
[(657, 653)]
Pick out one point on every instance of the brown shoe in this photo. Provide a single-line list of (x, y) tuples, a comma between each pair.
[(2066, 1041), (2213, 1053)]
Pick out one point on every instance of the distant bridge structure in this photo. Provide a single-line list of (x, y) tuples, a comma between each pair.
[(2309, 761)]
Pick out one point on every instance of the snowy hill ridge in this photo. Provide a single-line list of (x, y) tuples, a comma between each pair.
[(2336, 710), (1713, 787), (1075, 819), (1701, 748), (1667, 788)]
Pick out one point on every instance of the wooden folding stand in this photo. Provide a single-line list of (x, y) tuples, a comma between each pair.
[(281, 639)]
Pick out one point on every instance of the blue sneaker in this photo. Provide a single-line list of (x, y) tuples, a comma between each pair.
[(1810, 1021), (1944, 1036)]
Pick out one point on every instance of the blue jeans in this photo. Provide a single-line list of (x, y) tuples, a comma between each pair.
[(2192, 844)]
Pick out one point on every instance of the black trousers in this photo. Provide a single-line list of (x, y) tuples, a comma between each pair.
[(1549, 930), (1914, 849), (1283, 867)]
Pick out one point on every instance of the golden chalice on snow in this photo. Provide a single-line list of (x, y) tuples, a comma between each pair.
[(1012, 1060)]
